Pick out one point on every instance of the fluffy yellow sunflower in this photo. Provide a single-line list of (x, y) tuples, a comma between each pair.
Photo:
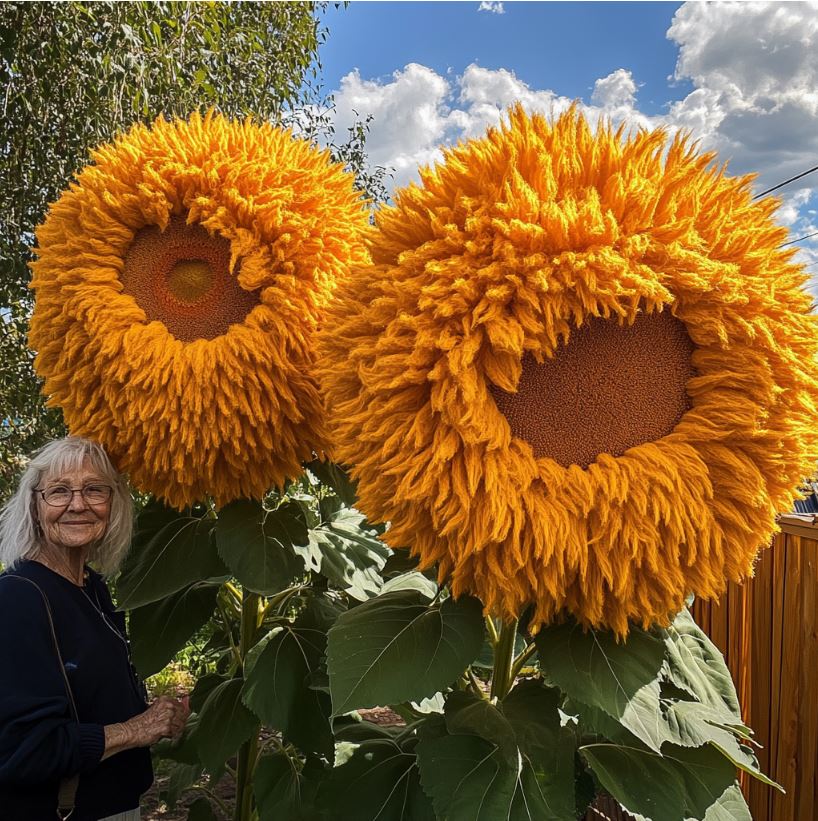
[(179, 284), (579, 372)]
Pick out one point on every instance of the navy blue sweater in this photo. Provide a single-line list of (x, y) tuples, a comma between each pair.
[(40, 743)]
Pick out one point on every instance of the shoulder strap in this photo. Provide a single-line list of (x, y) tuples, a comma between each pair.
[(67, 792)]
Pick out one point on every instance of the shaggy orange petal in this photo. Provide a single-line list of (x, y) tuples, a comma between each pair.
[(179, 284), (489, 267)]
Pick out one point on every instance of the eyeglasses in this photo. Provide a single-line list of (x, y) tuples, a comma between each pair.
[(61, 496)]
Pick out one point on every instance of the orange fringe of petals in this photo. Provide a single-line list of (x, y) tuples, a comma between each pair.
[(509, 243), (226, 417)]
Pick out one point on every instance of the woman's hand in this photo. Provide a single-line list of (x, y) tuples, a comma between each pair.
[(165, 718)]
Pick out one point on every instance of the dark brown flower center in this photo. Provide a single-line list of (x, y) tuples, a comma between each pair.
[(612, 387), (181, 276)]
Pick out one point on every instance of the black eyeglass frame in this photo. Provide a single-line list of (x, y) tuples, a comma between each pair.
[(73, 490)]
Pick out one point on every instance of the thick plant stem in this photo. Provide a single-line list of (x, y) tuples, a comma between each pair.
[(249, 750), (503, 677)]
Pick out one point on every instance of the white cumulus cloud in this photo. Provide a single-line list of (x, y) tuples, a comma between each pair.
[(492, 6), (755, 69)]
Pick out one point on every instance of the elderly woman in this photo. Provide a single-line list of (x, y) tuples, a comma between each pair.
[(73, 717)]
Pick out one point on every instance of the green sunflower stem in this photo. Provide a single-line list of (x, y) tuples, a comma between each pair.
[(503, 677), (248, 753)]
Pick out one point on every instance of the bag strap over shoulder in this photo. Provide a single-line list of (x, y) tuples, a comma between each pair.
[(67, 792)]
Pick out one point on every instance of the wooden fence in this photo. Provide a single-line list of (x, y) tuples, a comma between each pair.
[(768, 632)]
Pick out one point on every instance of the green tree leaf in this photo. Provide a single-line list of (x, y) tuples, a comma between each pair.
[(679, 785), (224, 724), (262, 564), (621, 678), (378, 781), (158, 630), (397, 647), (170, 551)]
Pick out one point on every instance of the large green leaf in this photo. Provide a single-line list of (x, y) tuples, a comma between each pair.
[(282, 791), (411, 581), (731, 806), (681, 784), (691, 724), (621, 678), (695, 665), (469, 714), (378, 782), (278, 688), (202, 689), (527, 740), (467, 778), (261, 563), (397, 647), (158, 630), (224, 724), (348, 553), (547, 751), (595, 721), (170, 551)]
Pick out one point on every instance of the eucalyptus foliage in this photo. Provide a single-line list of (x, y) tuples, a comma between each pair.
[(312, 622)]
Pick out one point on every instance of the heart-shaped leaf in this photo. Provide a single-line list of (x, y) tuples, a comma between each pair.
[(397, 647)]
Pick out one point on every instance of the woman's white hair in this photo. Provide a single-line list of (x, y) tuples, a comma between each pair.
[(20, 532)]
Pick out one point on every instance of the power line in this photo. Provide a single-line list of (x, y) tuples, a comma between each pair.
[(786, 182), (793, 241)]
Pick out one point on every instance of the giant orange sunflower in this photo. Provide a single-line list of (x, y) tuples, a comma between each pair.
[(578, 373), (179, 284)]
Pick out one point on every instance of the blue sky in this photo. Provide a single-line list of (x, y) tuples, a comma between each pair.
[(560, 45), (743, 78)]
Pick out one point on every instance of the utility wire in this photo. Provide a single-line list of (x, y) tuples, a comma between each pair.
[(793, 241), (786, 182)]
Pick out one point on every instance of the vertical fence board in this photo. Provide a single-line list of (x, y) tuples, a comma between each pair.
[(787, 717), (807, 753), (779, 552), (718, 624), (759, 678)]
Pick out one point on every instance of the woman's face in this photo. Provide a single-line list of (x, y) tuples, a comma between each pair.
[(78, 523)]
